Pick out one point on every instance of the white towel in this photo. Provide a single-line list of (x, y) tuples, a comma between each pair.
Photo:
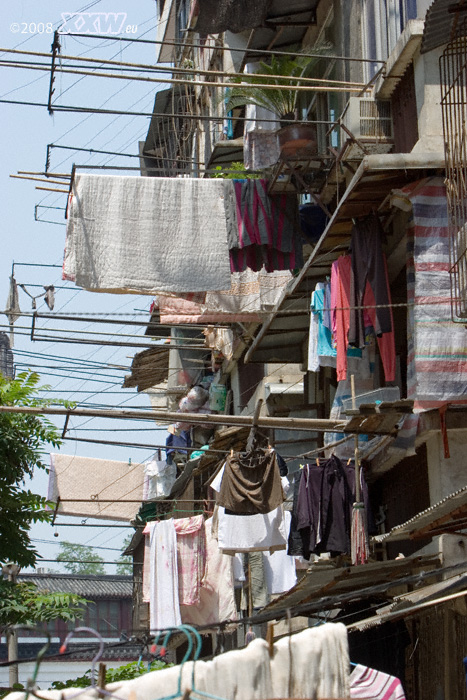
[(164, 606), (312, 664), (147, 234)]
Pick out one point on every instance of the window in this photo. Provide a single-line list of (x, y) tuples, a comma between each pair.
[(384, 22)]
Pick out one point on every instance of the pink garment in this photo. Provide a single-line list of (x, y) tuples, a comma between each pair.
[(340, 320), (217, 596), (191, 557), (374, 685)]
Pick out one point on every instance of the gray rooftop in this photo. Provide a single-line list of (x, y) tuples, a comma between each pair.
[(88, 586)]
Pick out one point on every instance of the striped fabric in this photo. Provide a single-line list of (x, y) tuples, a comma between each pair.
[(437, 347), (261, 230), (374, 685)]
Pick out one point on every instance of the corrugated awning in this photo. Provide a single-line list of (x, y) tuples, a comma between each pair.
[(415, 602), (329, 580), (442, 22), (446, 516), (376, 176), (148, 368)]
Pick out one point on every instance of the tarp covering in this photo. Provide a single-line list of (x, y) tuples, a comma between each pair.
[(216, 16), (437, 347)]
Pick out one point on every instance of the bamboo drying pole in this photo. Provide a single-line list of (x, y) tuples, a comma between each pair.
[(180, 70), (313, 424)]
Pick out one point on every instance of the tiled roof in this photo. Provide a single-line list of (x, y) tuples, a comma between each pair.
[(87, 586), (81, 652)]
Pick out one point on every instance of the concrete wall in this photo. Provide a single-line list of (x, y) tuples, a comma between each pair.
[(428, 97), (447, 475)]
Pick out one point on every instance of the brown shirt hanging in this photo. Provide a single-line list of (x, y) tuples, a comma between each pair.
[(251, 483)]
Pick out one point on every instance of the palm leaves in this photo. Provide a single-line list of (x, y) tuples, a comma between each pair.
[(281, 101)]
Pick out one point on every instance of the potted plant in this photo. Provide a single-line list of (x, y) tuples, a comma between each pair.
[(283, 72)]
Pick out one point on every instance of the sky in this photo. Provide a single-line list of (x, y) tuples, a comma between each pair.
[(76, 372)]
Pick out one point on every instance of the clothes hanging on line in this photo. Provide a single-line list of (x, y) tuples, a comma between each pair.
[(368, 271), (250, 533), (341, 280), (323, 507), (12, 309), (321, 352), (262, 231), (251, 483), (313, 664), (159, 477), (164, 606), (249, 295), (191, 558), (256, 531), (216, 592), (279, 567), (366, 683), (147, 234)]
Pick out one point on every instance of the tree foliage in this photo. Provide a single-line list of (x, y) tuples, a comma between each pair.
[(23, 439), (80, 559), (125, 564), (22, 604)]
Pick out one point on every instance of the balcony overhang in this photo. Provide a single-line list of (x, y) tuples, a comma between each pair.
[(286, 329), (400, 58)]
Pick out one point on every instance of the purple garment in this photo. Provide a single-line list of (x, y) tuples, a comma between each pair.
[(324, 506)]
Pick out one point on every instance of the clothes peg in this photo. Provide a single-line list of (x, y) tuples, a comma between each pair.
[(317, 461), (101, 679), (270, 639)]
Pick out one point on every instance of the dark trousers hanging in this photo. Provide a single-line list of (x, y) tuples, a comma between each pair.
[(368, 268)]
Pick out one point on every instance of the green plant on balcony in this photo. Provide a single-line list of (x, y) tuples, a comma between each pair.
[(282, 74)]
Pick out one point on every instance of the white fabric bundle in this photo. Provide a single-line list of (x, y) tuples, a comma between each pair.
[(320, 669)]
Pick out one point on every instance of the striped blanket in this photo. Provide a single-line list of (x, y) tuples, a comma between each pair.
[(437, 347)]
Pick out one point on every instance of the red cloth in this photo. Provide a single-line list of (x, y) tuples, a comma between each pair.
[(341, 272)]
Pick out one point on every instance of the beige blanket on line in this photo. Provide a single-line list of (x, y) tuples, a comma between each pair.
[(105, 484), (146, 234)]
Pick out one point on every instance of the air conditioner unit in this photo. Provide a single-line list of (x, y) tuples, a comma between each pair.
[(369, 122)]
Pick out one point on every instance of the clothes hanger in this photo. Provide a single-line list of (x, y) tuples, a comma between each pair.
[(187, 632), (31, 686), (100, 651), (189, 691)]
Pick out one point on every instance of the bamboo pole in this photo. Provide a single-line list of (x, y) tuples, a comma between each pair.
[(180, 70), (48, 189), (201, 83), (32, 172), (38, 179), (313, 424)]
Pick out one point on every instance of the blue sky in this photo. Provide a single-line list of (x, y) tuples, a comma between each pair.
[(24, 136)]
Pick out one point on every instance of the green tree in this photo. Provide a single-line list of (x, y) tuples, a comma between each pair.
[(22, 604), (80, 559), (23, 439), (125, 565)]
